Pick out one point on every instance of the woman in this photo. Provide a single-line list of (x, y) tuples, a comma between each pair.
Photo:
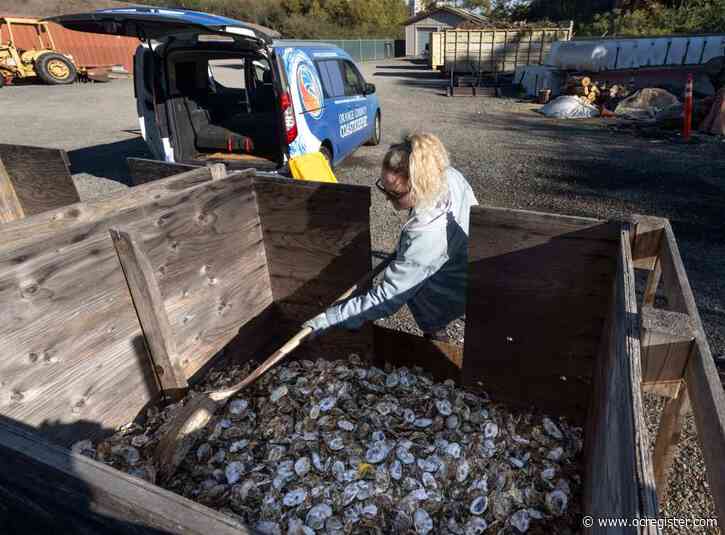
[(429, 269)]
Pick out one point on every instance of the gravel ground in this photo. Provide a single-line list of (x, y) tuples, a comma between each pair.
[(512, 156)]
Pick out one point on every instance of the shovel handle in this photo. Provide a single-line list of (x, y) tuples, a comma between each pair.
[(295, 341)]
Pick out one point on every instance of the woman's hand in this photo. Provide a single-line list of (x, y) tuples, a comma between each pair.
[(318, 324)]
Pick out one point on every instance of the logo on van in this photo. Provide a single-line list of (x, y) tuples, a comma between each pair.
[(310, 90)]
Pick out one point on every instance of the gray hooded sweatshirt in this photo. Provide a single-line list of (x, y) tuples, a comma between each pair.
[(429, 270)]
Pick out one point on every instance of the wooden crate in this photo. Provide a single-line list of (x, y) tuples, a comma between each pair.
[(98, 324), (33, 180), (493, 50)]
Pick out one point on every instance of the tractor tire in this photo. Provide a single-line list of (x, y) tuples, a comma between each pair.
[(56, 69)]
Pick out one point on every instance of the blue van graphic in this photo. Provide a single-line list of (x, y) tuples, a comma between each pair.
[(214, 89)]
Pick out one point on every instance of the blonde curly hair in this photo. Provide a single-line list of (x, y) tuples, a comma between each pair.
[(422, 160)]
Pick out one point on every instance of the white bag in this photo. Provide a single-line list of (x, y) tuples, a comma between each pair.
[(569, 107)]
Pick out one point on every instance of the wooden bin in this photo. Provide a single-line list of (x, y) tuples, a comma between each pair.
[(95, 328)]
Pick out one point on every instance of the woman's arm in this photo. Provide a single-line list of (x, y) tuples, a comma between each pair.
[(420, 254)]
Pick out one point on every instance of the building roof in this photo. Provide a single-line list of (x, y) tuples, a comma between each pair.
[(463, 13)]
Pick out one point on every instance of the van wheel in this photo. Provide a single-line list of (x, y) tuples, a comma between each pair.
[(327, 153), (56, 69), (2, 80), (377, 131)]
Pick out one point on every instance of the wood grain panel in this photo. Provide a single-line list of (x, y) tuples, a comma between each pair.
[(79, 215), (619, 479), (39, 177), (317, 239), (10, 207), (208, 256), (72, 345), (667, 341), (538, 290), (62, 492), (144, 171), (74, 349)]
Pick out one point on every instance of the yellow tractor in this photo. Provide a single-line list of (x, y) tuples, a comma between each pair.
[(45, 62)]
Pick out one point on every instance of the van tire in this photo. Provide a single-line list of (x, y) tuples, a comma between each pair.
[(2, 80), (56, 69), (327, 153), (377, 131)]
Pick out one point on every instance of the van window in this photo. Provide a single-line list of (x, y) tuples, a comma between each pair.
[(353, 80), (331, 75), (229, 73)]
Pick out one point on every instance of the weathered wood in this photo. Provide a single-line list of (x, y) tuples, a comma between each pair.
[(218, 170), (667, 341), (144, 171), (68, 313), (441, 359), (537, 297), (209, 259), (36, 178), (80, 215), (48, 483), (668, 437), (647, 238), (701, 376), (619, 480), (10, 207), (313, 252), (653, 281), (151, 313)]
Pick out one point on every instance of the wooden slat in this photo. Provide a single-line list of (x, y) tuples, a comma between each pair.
[(653, 281), (144, 171), (209, 258), (317, 239), (68, 313), (39, 178), (151, 313), (667, 341), (10, 207), (701, 376), (668, 437), (75, 216), (62, 492), (537, 295), (619, 479), (647, 239)]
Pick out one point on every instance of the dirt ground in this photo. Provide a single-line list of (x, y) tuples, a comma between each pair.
[(512, 156)]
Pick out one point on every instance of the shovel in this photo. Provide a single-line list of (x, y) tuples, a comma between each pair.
[(180, 436)]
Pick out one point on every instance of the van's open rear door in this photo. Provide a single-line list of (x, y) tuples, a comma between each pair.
[(157, 23)]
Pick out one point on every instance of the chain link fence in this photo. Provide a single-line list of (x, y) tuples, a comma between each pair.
[(364, 49)]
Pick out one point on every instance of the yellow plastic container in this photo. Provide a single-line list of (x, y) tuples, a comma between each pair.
[(312, 166)]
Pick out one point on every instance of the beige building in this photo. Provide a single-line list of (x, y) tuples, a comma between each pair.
[(419, 27)]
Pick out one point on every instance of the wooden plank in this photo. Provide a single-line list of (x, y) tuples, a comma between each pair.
[(619, 479), (668, 437), (667, 341), (151, 313), (209, 258), (47, 483), (144, 171), (537, 299), (648, 236), (653, 282), (701, 376), (313, 254), (40, 177), (441, 359), (59, 329), (38, 227), (73, 350), (10, 207)]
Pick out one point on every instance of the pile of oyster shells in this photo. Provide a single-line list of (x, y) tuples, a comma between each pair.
[(340, 447)]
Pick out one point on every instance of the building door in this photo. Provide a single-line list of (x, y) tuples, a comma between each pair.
[(422, 40)]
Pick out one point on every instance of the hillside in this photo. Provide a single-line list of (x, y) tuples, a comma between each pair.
[(49, 8)]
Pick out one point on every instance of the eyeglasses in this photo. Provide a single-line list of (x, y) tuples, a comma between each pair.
[(388, 193)]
